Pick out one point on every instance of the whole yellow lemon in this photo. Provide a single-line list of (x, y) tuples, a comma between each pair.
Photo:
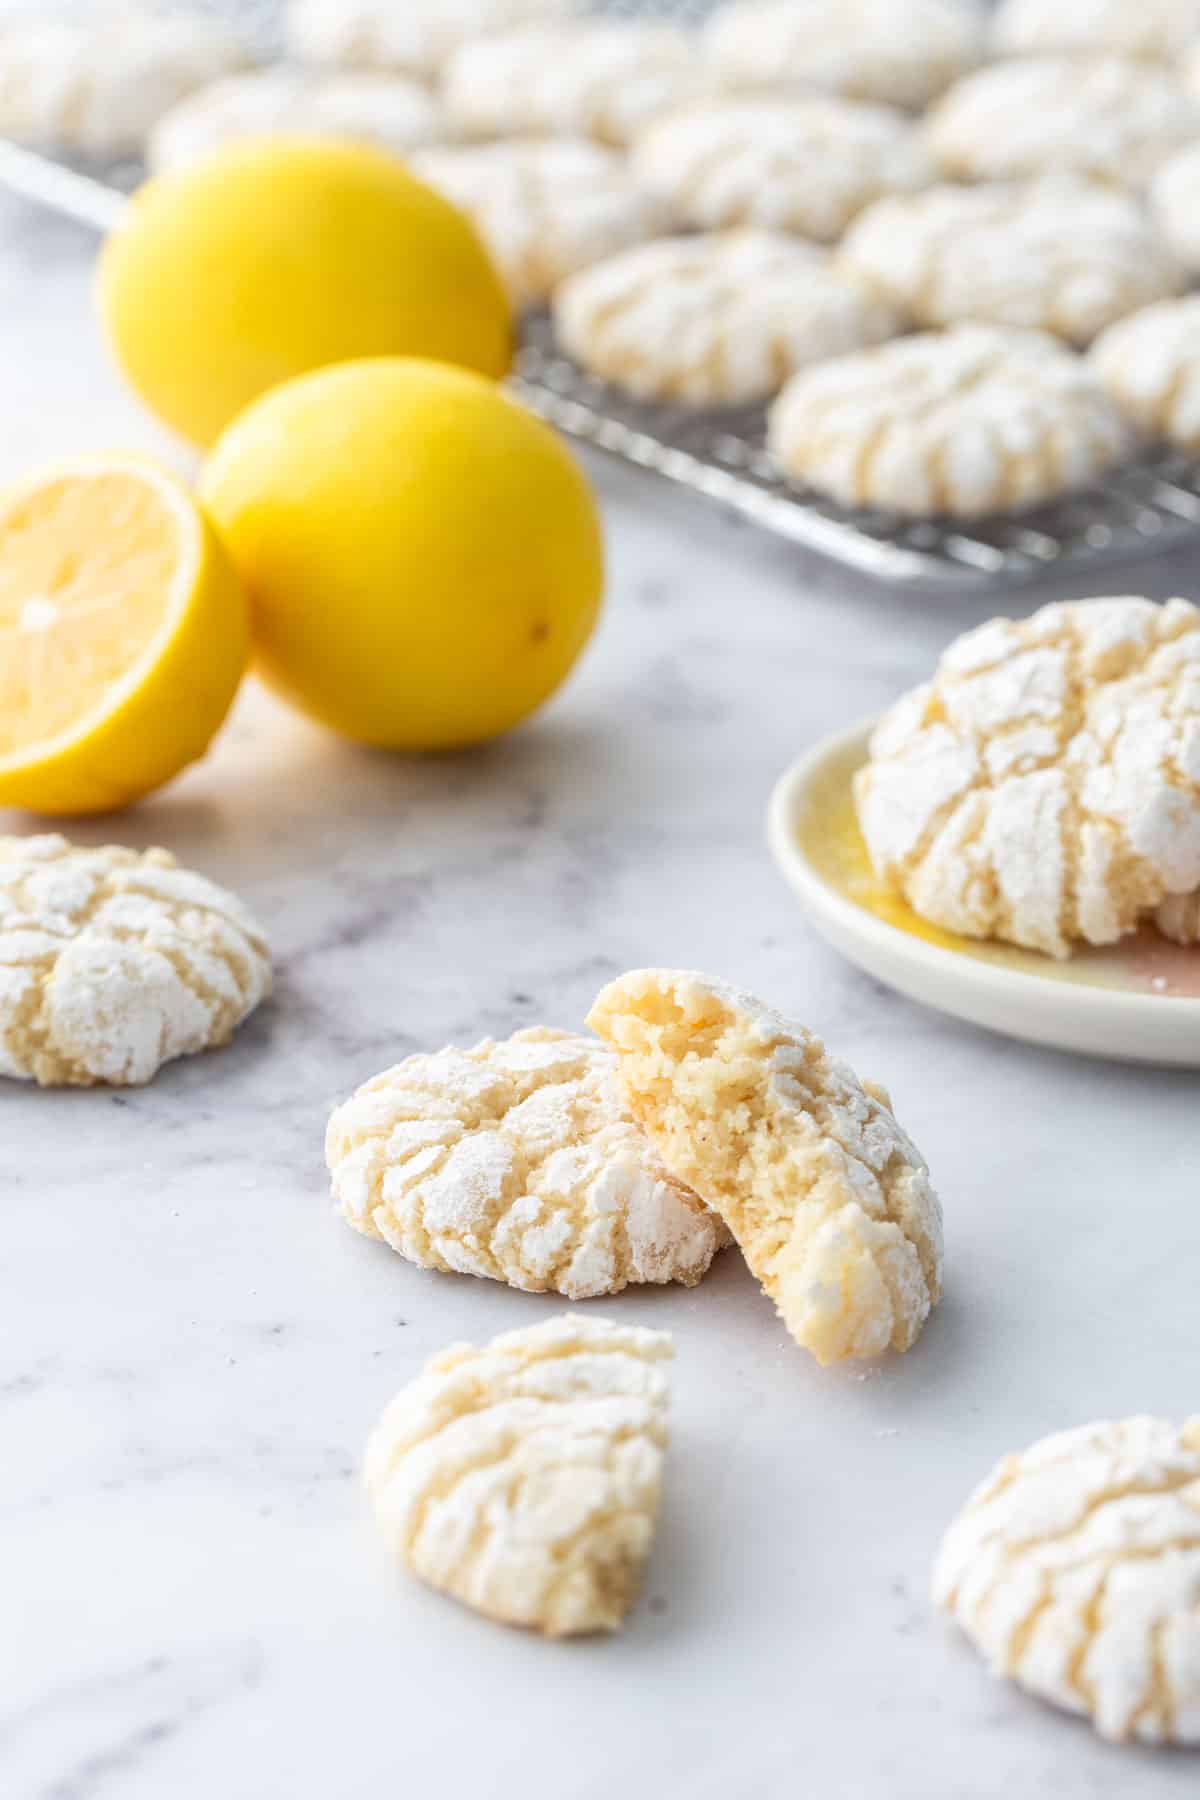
[(272, 257), (423, 557)]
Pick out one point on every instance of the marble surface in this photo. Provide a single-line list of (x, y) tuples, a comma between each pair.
[(193, 1599)]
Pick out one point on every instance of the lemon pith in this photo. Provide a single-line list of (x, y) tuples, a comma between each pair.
[(123, 635)]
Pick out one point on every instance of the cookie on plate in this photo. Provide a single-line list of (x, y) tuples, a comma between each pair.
[(1107, 117), (390, 111), (414, 37), (1175, 200), (1150, 364), (1158, 29), (545, 206), (715, 321), (903, 52), (1061, 255), (803, 163), (598, 78), (962, 423)]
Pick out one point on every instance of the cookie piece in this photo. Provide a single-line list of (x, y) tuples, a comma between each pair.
[(113, 961), (583, 77), (1060, 255), (903, 52), (1100, 116), (715, 321), (97, 86), (829, 1200), (1075, 1570), (524, 1477), (412, 37), (390, 111), (1175, 200), (961, 423), (805, 163), (1044, 787), (1158, 29), (519, 1162), (545, 206), (1150, 364)]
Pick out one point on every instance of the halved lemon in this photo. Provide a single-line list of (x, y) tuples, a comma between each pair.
[(124, 633)]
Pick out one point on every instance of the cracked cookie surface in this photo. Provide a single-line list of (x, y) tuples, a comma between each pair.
[(829, 1200), (413, 36), (1075, 1569), (524, 1477), (114, 961), (1150, 364), (975, 420), (1044, 787), (516, 1161)]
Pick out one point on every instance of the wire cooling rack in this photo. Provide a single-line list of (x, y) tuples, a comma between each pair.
[(1150, 504)]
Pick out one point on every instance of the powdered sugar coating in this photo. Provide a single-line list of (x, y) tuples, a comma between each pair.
[(902, 52), (1075, 1569), (99, 86), (516, 1161), (113, 962), (1150, 364), (1100, 116), (801, 163), (546, 207), (1044, 787), (1059, 255), (524, 1478), (965, 422), (715, 321), (829, 1200), (388, 110), (1175, 198), (414, 37), (1158, 29), (586, 77)]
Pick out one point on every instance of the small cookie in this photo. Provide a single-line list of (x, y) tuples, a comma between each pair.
[(545, 206), (412, 37), (965, 422), (715, 321), (1150, 364), (112, 962), (1075, 1570), (388, 110), (1158, 29), (523, 1477), (585, 77), (806, 163), (98, 87), (1175, 199), (1099, 116), (516, 1161), (903, 52), (1059, 255), (829, 1200)]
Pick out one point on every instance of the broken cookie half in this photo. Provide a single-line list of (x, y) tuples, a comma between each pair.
[(829, 1200)]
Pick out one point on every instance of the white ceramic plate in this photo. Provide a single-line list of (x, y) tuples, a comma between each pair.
[(1136, 1002)]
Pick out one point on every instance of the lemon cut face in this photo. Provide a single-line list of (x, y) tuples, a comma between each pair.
[(123, 635)]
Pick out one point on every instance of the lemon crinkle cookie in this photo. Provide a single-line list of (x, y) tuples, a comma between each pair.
[(1060, 255), (1075, 1569), (113, 962), (1175, 199), (1150, 364), (715, 321), (1106, 117), (587, 77), (898, 51), (413, 36), (517, 1161), (804, 163), (828, 1199), (1044, 787), (545, 206), (967, 422), (1158, 29), (392, 111), (523, 1477), (98, 85)]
